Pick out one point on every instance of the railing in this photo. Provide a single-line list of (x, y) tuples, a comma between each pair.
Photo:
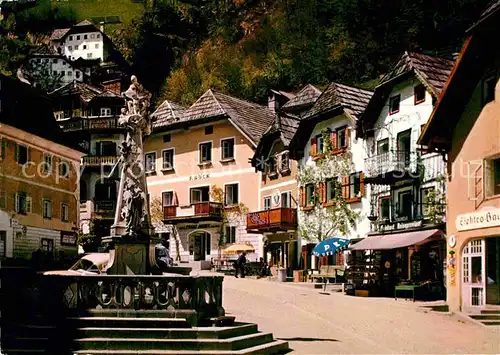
[(195, 210), (419, 212), (395, 163), (99, 160), (91, 122), (273, 218)]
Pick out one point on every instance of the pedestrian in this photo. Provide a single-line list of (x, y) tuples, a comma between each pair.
[(240, 264)]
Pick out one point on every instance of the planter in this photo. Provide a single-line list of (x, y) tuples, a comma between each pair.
[(372, 218), (362, 293)]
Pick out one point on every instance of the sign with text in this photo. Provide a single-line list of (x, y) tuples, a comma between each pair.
[(199, 177), (68, 238), (388, 227), (476, 220)]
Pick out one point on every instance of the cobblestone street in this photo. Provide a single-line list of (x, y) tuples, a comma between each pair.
[(332, 323)]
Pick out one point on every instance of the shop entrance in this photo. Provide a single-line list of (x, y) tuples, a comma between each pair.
[(473, 275), (199, 245), (493, 270)]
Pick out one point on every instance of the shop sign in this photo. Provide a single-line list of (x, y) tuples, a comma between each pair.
[(68, 238), (388, 227), (476, 220), (199, 177)]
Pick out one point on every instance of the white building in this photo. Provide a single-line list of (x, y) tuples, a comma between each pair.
[(331, 169)]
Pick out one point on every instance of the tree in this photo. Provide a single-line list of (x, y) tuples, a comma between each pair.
[(156, 210), (229, 215), (41, 74)]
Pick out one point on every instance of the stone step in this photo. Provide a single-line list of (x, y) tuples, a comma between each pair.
[(236, 343), (490, 322), (128, 322), (490, 311), (485, 316), (271, 348), (169, 333)]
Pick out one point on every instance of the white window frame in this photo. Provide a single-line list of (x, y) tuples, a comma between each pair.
[(48, 165), (211, 152), (222, 148), (29, 204), (267, 206), (105, 111), (227, 238), (163, 167), (237, 183), (153, 153), (173, 198), (489, 176), (198, 188), (46, 203), (24, 209), (289, 194), (64, 212), (61, 163)]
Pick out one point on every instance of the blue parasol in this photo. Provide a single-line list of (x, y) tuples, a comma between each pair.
[(330, 246)]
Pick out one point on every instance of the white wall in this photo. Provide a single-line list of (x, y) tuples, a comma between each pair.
[(70, 73), (90, 52)]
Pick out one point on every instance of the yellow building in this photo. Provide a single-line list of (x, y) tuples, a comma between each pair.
[(39, 173)]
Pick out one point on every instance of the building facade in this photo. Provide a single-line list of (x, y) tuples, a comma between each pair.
[(89, 116), (276, 217), (465, 125), (332, 196), (39, 171), (198, 166)]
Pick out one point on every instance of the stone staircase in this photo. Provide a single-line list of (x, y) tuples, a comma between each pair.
[(490, 317), (138, 335)]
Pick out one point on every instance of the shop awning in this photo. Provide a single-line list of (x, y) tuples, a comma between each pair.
[(329, 246), (399, 240)]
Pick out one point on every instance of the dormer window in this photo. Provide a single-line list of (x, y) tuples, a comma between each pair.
[(394, 104)]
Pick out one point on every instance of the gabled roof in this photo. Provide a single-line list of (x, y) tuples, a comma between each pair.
[(250, 118), (59, 34), (306, 96), (168, 112), (84, 23), (288, 95), (351, 99), (432, 72), (335, 100), (86, 92)]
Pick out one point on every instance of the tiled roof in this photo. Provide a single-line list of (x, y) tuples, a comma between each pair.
[(432, 71), (168, 112), (251, 118), (59, 33), (84, 23), (45, 50), (306, 96), (87, 92), (288, 95), (286, 124), (349, 98)]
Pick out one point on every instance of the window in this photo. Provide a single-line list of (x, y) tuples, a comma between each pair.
[(492, 177), (85, 37), (3, 146), (320, 144), (89, 55), (284, 163), (150, 162), (70, 48), (342, 138), (92, 36), (168, 159), (47, 209), (167, 198), (425, 200), (3, 243), (70, 38), (488, 90), (76, 48), (310, 195), (63, 169), (47, 164), (267, 203), (54, 61), (98, 35), (47, 245), (64, 212), (419, 94), (286, 199), (70, 73), (97, 46), (231, 197), (62, 72), (227, 148), (105, 111), (230, 234), (272, 165), (166, 138), (3, 199), (404, 204), (22, 154), (354, 185), (105, 148), (331, 189), (385, 208), (77, 38), (84, 46), (205, 152), (200, 194), (383, 146), (209, 130), (21, 203), (77, 74), (394, 104)]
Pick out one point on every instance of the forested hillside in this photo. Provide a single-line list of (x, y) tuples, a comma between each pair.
[(180, 48)]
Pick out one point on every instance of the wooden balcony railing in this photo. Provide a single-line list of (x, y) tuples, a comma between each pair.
[(196, 210), (284, 218), (99, 160), (85, 123)]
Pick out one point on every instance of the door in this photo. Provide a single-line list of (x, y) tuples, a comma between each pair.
[(473, 275), (404, 148), (200, 246), (492, 270)]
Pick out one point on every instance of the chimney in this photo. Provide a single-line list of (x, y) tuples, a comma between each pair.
[(271, 101)]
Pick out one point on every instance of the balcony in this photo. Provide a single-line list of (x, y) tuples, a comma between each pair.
[(202, 211), (99, 160), (272, 220), (89, 123), (386, 168)]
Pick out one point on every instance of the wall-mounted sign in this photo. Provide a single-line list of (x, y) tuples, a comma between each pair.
[(68, 238), (452, 241), (476, 220), (387, 227), (199, 177)]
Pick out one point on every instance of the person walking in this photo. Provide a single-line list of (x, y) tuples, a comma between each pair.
[(240, 265)]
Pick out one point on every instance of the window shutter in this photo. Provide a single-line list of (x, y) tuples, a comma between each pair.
[(362, 184), (2, 148), (29, 204), (347, 137), (322, 192), (333, 139), (314, 150), (302, 197), (16, 198), (345, 187), (174, 199)]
